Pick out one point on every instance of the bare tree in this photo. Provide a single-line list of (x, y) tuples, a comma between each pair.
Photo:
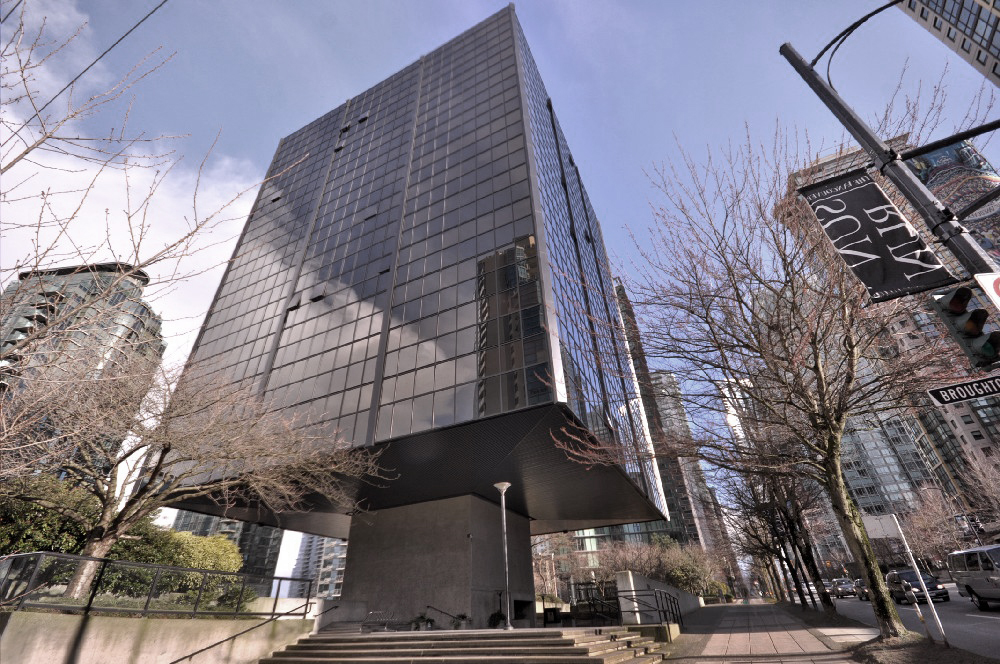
[(983, 473), (770, 520), (73, 196), (931, 529), (142, 440), (774, 342), (556, 564), (689, 568)]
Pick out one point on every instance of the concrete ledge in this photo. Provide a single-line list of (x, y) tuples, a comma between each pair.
[(31, 636), (665, 633)]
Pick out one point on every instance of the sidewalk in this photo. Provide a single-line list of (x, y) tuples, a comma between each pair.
[(761, 634)]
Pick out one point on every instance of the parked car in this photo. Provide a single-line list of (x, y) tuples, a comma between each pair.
[(898, 580), (977, 574), (842, 588), (861, 589)]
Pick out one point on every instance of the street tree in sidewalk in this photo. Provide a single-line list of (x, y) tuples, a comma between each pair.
[(982, 474), (775, 343), (769, 521), (755, 536), (931, 529), (147, 438)]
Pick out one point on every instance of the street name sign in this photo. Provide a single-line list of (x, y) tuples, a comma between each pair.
[(965, 391), (881, 527), (990, 283)]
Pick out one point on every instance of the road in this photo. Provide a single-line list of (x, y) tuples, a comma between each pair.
[(966, 626)]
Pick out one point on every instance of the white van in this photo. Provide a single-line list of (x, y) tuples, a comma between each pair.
[(977, 574)]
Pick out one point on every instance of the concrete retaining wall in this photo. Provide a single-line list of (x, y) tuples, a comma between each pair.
[(48, 638), (631, 581)]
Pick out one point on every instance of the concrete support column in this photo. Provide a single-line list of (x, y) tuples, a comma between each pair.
[(445, 553)]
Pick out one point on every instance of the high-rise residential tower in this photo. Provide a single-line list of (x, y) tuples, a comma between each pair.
[(423, 273), (684, 487), (84, 326), (322, 560), (258, 544), (99, 315), (968, 27)]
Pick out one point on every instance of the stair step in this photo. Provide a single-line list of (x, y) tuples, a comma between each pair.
[(455, 650), (522, 643), (602, 645), (384, 659)]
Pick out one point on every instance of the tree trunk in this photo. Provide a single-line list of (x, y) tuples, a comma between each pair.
[(803, 545), (774, 583), (80, 583), (806, 551), (861, 548), (789, 588), (795, 576)]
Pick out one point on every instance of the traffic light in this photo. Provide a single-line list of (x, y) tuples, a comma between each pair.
[(968, 328)]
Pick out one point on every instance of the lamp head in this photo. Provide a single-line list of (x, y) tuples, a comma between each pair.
[(502, 486)]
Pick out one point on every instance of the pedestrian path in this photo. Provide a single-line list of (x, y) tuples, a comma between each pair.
[(761, 634)]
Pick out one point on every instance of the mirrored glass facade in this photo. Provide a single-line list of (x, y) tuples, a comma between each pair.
[(426, 256)]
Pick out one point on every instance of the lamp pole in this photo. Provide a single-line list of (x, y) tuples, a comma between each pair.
[(502, 488)]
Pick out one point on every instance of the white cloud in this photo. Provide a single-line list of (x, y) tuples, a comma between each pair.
[(132, 216), (58, 209)]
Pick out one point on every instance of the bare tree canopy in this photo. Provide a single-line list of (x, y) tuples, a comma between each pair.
[(82, 186), (143, 439), (776, 347), (84, 401)]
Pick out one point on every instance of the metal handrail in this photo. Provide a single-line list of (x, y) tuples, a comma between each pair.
[(614, 609), (673, 605), (14, 576), (664, 604), (250, 629), (442, 612)]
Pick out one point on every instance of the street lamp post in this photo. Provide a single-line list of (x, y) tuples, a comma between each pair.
[(502, 488)]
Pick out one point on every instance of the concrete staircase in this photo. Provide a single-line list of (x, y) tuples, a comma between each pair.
[(607, 645)]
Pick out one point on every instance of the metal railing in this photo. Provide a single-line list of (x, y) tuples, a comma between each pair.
[(664, 606), (607, 602), (42, 581), (608, 610), (199, 651)]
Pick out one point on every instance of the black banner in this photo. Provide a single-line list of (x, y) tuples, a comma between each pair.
[(874, 239)]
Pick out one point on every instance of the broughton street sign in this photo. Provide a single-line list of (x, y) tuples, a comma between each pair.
[(966, 391)]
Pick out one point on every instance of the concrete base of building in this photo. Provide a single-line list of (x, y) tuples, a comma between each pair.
[(445, 554)]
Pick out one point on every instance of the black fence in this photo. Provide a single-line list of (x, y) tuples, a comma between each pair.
[(659, 605), (44, 581), (586, 590), (603, 601)]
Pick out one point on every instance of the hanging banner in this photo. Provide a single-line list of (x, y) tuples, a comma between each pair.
[(958, 174), (874, 239)]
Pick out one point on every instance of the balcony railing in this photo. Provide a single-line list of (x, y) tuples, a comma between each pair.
[(41, 581)]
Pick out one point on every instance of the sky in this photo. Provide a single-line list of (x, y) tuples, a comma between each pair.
[(633, 83)]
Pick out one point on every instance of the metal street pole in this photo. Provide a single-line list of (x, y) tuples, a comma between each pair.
[(941, 221), (923, 586), (502, 488)]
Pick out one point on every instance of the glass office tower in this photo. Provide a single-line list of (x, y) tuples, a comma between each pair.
[(423, 272)]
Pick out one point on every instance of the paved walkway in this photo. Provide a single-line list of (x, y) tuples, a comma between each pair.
[(761, 634)]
